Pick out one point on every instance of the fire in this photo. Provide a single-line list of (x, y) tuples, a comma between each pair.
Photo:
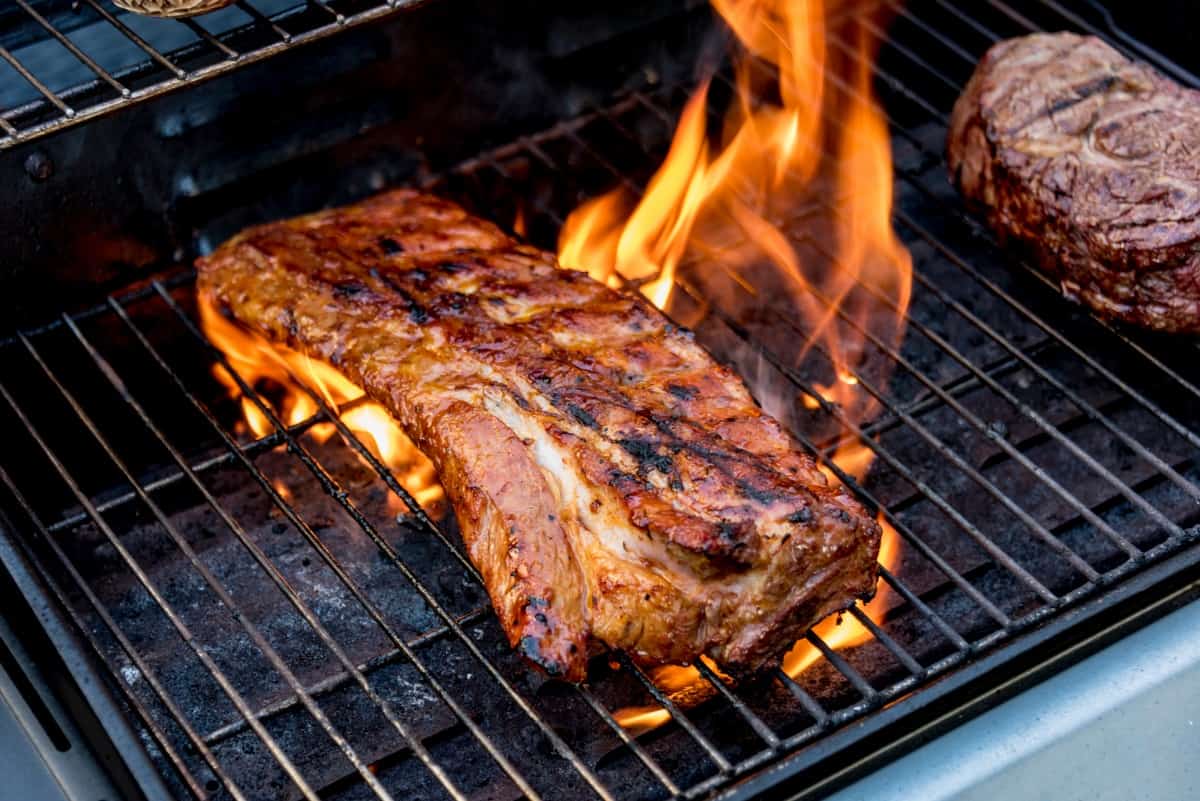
[(724, 199), (261, 364)]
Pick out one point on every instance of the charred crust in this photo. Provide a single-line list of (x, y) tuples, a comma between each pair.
[(289, 323), (349, 289), (582, 417), (758, 494), (1082, 93), (801, 516), (530, 647), (683, 391), (390, 246), (647, 455), (416, 312), (452, 267)]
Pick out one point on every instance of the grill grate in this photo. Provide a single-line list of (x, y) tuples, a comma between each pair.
[(68, 63), (1033, 460)]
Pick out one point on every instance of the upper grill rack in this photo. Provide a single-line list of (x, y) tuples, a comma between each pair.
[(64, 63), (1017, 458)]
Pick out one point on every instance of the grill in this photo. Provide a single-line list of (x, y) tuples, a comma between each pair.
[(253, 619), (155, 56)]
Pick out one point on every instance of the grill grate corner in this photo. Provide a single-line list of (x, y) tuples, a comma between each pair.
[(275, 630)]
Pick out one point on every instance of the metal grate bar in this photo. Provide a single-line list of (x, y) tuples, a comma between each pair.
[(894, 648), (1087, 408), (863, 687), (906, 659), (630, 742), (213, 42), (75, 51), (984, 542), (89, 108), (1013, 14), (262, 19), (335, 565), (933, 617), (324, 6), (131, 653), (268, 567), (893, 462), (1164, 63), (979, 233), (811, 707), (331, 487), (45, 91), (920, 23), (133, 36), (342, 678), (747, 714), (1092, 413), (677, 715), (256, 636), (253, 448), (942, 447), (172, 616), (977, 423), (978, 536)]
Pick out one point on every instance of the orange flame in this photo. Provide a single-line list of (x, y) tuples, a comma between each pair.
[(815, 146), (261, 364)]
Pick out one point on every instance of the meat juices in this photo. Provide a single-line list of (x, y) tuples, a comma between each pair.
[(613, 484), (1092, 161)]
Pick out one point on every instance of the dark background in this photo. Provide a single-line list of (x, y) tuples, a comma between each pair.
[(1171, 25)]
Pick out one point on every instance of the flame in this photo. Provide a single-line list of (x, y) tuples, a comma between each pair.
[(722, 201), (270, 367), (520, 225)]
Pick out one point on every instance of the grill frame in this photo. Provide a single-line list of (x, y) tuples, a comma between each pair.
[(180, 63), (786, 755)]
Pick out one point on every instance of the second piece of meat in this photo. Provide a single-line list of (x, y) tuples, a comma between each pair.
[(1090, 160)]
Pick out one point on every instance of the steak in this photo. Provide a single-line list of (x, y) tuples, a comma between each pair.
[(1092, 161), (613, 484)]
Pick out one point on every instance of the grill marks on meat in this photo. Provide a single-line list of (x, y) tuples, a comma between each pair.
[(612, 483), (1093, 162)]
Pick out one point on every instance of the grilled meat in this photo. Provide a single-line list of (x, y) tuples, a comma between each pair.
[(1089, 159), (612, 483)]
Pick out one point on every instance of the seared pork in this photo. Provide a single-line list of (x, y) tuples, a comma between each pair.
[(613, 484)]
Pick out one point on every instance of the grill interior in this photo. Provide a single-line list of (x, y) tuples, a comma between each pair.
[(73, 73), (275, 630)]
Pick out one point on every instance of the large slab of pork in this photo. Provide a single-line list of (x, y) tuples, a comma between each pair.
[(614, 485)]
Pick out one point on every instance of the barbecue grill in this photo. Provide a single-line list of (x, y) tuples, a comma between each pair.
[(222, 615)]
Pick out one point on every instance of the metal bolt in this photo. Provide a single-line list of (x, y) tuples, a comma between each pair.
[(38, 166)]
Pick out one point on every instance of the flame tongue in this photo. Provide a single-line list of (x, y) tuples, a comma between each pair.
[(286, 372), (726, 200)]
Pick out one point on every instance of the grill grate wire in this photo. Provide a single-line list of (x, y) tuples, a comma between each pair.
[(179, 740), (188, 51)]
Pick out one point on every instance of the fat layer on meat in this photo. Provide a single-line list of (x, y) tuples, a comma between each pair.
[(613, 484)]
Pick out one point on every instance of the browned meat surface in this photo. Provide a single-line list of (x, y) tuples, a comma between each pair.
[(612, 483), (1093, 162)]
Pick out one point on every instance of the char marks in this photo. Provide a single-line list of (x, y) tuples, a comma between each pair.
[(612, 483)]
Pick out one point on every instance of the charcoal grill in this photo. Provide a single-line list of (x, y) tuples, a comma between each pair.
[(241, 617)]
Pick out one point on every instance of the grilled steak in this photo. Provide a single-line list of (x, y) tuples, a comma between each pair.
[(1093, 161), (612, 483)]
